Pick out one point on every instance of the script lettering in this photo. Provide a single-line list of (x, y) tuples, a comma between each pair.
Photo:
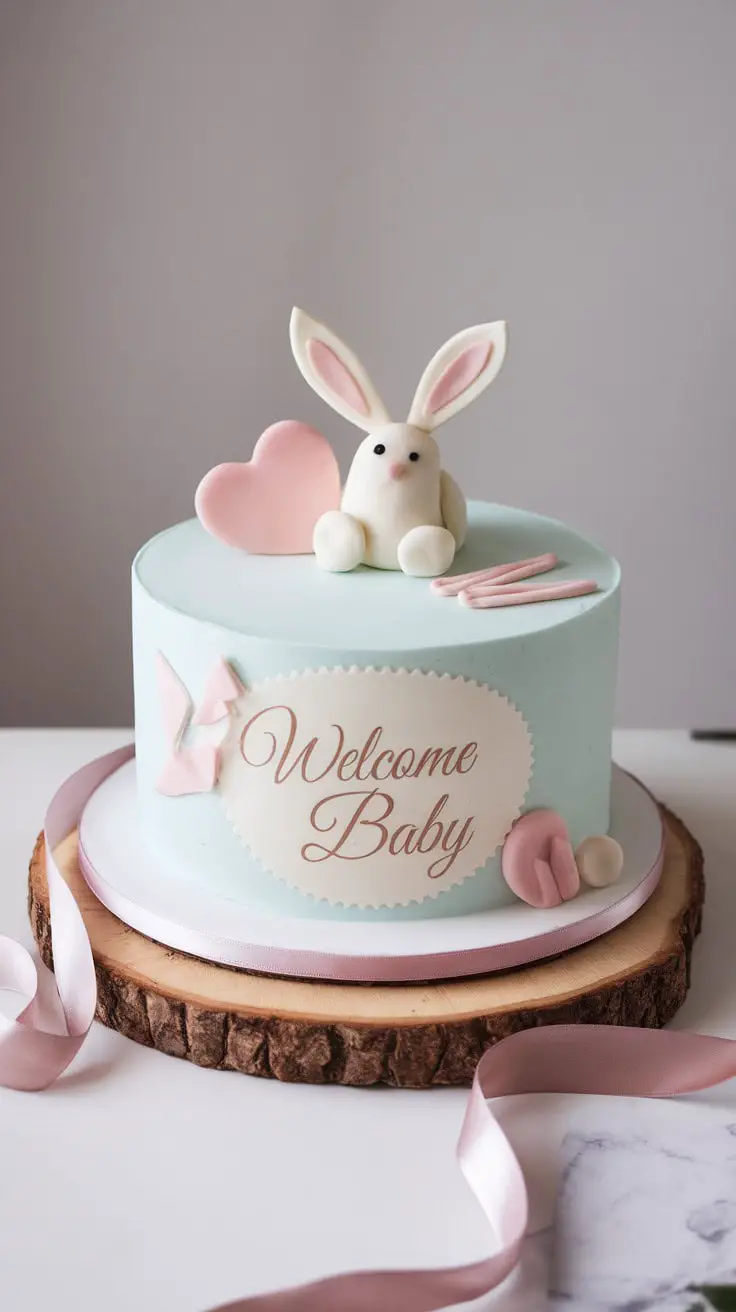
[(355, 819)]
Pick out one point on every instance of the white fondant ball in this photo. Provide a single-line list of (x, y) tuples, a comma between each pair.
[(426, 551), (339, 541), (600, 860)]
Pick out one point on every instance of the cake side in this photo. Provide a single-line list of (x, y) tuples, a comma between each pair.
[(200, 605)]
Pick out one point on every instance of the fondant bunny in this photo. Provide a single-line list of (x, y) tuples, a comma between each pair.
[(399, 508)]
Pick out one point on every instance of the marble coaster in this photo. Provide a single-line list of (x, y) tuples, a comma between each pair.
[(647, 1207)]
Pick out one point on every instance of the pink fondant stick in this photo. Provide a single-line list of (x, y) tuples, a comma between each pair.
[(501, 589), (515, 569), (526, 570), (521, 596), (451, 586)]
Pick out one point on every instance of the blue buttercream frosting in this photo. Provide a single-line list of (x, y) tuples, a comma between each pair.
[(196, 600)]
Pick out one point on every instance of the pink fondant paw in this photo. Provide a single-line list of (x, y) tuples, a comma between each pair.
[(538, 862), (270, 505)]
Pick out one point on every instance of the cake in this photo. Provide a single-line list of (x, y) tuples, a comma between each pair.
[(372, 702)]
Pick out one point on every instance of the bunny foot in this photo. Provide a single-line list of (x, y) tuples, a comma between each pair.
[(339, 541), (426, 551)]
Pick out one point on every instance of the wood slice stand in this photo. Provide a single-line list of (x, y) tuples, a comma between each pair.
[(410, 1036)]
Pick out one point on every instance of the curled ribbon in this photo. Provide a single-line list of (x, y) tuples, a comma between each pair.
[(553, 1059), (37, 1047), (39, 1044)]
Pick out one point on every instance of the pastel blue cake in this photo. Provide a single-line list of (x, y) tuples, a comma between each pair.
[(547, 672)]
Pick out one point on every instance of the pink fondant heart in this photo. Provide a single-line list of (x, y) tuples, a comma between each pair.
[(270, 505)]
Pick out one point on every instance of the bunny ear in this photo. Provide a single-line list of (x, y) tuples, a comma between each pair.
[(459, 372), (335, 373)]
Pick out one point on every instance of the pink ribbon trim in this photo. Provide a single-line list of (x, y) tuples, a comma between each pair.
[(353, 968), (38, 1046), (357, 969)]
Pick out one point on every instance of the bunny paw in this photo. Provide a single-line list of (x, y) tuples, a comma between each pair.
[(426, 551), (339, 541)]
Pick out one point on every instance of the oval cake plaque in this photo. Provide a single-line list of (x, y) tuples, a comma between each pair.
[(374, 787)]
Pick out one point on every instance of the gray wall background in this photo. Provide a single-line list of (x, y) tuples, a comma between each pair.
[(174, 174)]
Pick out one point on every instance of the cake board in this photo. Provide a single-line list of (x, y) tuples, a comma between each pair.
[(407, 1035)]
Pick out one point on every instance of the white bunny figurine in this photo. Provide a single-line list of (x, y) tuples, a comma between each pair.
[(399, 509)]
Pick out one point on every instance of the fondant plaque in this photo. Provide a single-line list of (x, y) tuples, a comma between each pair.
[(374, 787)]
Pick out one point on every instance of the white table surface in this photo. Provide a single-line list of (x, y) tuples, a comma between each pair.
[(141, 1182)]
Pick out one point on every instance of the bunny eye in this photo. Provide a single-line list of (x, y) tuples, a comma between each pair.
[(413, 455), (379, 449)]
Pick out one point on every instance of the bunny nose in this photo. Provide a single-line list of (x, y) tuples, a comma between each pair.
[(398, 469)]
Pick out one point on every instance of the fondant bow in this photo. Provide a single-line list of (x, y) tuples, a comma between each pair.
[(193, 768)]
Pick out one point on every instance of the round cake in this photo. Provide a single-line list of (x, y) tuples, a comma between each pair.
[(531, 685), (368, 700)]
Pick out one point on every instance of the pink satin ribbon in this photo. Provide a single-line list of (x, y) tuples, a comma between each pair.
[(39, 1044), (558, 1059), (353, 968), (308, 964), (37, 1047)]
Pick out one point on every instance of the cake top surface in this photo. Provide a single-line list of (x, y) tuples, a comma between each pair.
[(290, 599)]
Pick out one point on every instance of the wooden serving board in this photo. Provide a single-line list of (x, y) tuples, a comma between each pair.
[(407, 1035)]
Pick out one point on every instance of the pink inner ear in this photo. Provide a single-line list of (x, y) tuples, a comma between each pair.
[(336, 375), (459, 375)]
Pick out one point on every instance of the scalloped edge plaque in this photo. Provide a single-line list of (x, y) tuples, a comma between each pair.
[(373, 788)]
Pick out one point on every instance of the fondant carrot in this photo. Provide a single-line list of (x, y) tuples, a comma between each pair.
[(508, 573), (521, 595)]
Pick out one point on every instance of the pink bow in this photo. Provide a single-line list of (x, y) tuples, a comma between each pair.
[(192, 769)]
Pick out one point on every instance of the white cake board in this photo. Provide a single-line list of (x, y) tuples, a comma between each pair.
[(128, 879)]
